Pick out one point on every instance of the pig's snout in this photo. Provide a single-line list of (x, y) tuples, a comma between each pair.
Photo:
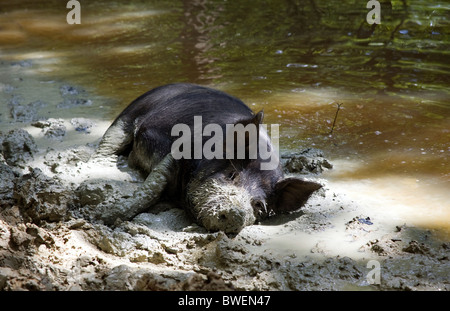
[(231, 219), (221, 207)]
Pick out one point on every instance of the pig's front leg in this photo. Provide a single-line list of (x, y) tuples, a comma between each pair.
[(146, 196)]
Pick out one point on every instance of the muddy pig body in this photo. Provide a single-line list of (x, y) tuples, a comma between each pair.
[(225, 192)]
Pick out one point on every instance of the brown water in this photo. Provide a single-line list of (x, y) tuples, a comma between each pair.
[(294, 59)]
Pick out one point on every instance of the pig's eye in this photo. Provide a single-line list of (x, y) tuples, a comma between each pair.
[(259, 205), (232, 175)]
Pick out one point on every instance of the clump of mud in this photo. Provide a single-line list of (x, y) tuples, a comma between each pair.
[(17, 147), (307, 161), (41, 198), (52, 236), (52, 128)]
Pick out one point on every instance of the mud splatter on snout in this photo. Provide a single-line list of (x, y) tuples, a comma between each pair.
[(220, 207)]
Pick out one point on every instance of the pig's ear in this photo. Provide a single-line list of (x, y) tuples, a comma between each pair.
[(256, 119), (291, 193)]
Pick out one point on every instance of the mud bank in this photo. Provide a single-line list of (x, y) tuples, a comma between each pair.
[(52, 238)]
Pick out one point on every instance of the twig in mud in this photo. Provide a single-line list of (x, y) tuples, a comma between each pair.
[(335, 117)]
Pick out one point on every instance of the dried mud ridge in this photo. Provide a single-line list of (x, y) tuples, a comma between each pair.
[(51, 238)]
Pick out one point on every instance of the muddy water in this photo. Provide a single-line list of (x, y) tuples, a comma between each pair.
[(296, 60)]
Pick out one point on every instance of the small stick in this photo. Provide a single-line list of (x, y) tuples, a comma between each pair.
[(335, 117)]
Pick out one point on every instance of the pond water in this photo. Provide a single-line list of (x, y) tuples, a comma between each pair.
[(295, 59)]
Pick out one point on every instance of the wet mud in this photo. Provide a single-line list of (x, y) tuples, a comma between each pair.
[(52, 236)]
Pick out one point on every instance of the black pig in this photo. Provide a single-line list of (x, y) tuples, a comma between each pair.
[(223, 193)]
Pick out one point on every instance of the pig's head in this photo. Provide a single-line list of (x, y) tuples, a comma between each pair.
[(229, 194)]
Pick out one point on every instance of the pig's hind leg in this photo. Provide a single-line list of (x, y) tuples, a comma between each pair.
[(117, 138)]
